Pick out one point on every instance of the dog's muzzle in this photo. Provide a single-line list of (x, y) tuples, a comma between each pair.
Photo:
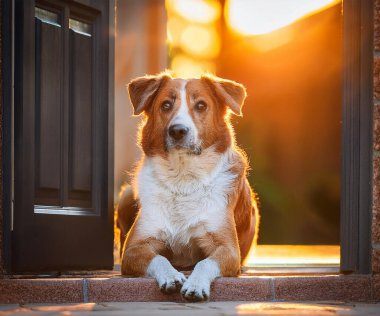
[(179, 136)]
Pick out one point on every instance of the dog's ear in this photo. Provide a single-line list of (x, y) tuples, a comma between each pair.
[(142, 91), (230, 92)]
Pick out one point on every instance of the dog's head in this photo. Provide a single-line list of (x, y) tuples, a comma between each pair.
[(185, 115)]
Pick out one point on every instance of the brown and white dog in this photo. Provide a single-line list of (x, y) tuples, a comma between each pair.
[(195, 205)]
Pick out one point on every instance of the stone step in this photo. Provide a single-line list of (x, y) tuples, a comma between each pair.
[(245, 288)]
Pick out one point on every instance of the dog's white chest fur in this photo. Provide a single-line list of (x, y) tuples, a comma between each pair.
[(184, 196)]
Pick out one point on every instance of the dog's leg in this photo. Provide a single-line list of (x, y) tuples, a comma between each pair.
[(223, 261), (143, 258), (126, 212)]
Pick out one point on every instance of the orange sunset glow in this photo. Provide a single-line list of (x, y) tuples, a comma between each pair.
[(194, 27), (256, 17)]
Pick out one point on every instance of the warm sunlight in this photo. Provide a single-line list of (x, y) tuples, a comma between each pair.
[(254, 17), (187, 67), (287, 308), (293, 255)]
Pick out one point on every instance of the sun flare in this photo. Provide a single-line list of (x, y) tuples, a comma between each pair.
[(255, 17)]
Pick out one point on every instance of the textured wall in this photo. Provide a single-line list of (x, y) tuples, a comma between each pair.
[(376, 157), (376, 144), (1, 142)]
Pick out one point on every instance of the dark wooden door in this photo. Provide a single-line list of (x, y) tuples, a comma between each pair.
[(63, 186)]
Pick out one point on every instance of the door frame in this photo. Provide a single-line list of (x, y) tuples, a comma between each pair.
[(357, 122), (357, 137), (7, 74)]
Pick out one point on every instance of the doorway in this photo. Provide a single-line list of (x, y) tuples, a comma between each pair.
[(291, 125), (354, 237)]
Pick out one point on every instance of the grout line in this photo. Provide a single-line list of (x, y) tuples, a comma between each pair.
[(273, 289), (376, 153), (85, 291), (375, 245)]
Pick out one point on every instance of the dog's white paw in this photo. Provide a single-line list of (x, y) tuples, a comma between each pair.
[(169, 279), (196, 289), (197, 286), (171, 282)]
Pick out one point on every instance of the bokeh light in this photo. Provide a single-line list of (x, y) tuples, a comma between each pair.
[(193, 31), (200, 41), (200, 11), (175, 27)]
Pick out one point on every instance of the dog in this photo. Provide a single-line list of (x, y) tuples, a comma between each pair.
[(190, 204)]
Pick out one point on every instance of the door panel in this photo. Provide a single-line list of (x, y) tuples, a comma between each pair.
[(80, 145), (48, 113), (63, 189)]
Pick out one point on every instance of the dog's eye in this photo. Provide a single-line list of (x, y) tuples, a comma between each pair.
[(200, 106), (166, 106)]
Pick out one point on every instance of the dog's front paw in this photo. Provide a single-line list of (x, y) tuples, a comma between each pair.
[(196, 290), (197, 286), (169, 279), (172, 282)]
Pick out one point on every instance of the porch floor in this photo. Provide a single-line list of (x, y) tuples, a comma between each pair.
[(201, 309)]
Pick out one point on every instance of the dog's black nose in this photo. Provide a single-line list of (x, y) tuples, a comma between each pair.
[(178, 131)]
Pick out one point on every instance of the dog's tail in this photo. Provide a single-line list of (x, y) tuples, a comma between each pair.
[(125, 213)]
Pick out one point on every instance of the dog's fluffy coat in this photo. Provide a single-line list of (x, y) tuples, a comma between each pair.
[(195, 206)]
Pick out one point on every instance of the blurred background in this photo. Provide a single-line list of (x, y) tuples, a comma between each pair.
[(287, 53)]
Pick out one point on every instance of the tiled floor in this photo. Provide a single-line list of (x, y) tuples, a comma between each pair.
[(202, 309)]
